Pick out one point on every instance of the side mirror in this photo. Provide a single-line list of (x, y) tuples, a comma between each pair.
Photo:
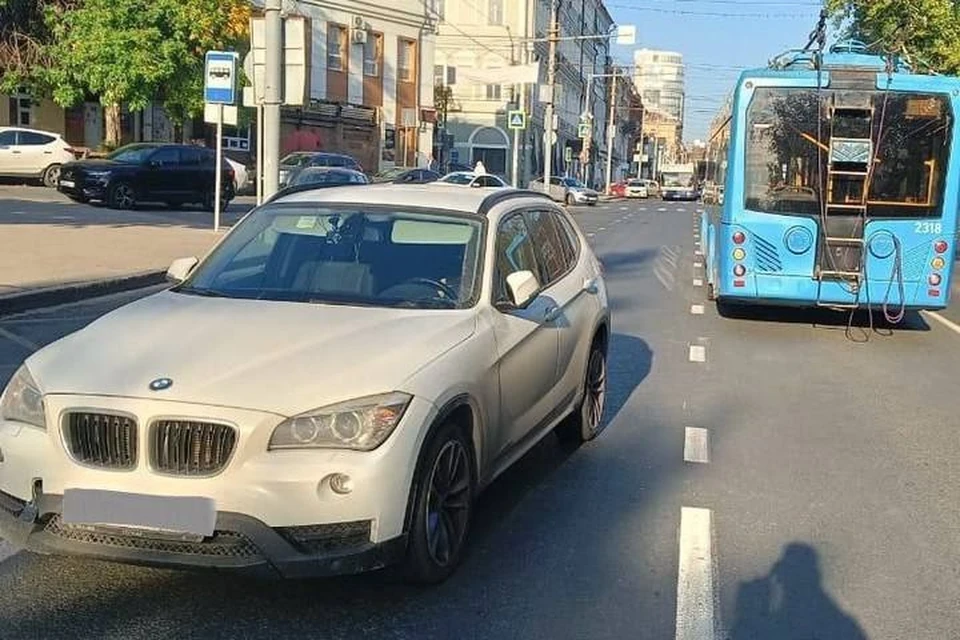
[(523, 287), (181, 268)]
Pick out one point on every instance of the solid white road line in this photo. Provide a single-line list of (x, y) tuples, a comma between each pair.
[(696, 309), (698, 353), (696, 599), (23, 342), (696, 445), (697, 282), (949, 324)]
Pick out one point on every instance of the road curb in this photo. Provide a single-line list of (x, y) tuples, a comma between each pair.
[(76, 291)]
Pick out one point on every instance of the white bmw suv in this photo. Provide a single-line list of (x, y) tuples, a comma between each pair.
[(326, 392)]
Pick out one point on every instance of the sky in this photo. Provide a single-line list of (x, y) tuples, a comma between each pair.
[(718, 39)]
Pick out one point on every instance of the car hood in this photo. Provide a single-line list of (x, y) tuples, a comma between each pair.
[(280, 357)]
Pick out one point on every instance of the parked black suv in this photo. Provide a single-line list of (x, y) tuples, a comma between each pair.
[(175, 174)]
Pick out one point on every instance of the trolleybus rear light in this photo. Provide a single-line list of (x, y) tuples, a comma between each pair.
[(739, 237), (934, 293), (935, 279), (940, 246), (739, 283), (938, 263), (739, 270), (739, 254)]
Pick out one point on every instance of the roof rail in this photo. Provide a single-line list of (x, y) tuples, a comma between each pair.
[(496, 198)]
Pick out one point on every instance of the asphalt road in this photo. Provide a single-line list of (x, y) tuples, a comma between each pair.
[(769, 477)]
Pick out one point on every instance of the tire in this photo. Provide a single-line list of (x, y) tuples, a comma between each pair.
[(437, 538), (51, 176), (122, 196), (568, 200), (584, 423)]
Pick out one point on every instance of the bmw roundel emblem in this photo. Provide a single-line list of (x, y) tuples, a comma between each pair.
[(160, 384)]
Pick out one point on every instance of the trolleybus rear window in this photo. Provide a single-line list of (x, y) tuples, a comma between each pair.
[(790, 139)]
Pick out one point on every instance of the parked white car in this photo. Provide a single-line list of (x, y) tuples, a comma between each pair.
[(637, 189), (389, 351), (471, 179), (29, 153)]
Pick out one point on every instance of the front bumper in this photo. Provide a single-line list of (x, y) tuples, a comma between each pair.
[(261, 497), (240, 543), (585, 198), (82, 188)]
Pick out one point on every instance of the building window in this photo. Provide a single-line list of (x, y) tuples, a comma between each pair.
[(495, 12), (21, 109), (336, 47), (494, 91), (372, 52), (443, 75), (406, 60)]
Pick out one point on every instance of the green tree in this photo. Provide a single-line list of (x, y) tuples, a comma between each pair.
[(136, 51), (925, 32), (24, 36)]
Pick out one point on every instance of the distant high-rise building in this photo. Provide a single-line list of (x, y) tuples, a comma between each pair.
[(659, 76)]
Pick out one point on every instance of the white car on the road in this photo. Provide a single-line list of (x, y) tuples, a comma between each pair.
[(28, 153), (471, 179), (325, 392), (637, 189)]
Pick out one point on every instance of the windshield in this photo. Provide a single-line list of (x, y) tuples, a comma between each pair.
[(636, 183), (295, 159), (348, 256), (573, 183), (132, 155), (787, 171), (677, 179), (458, 178)]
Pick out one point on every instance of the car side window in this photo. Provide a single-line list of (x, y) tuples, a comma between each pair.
[(32, 139), (515, 252), (8, 138), (569, 240), (166, 157), (553, 252)]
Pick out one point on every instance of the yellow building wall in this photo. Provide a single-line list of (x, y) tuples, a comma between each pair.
[(45, 115)]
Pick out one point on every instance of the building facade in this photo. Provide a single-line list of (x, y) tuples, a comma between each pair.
[(659, 76), (370, 83), (476, 39)]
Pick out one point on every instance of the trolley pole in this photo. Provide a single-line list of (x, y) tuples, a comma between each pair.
[(273, 39), (548, 113)]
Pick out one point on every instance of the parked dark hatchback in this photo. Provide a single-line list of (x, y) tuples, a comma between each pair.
[(174, 174), (295, 162)]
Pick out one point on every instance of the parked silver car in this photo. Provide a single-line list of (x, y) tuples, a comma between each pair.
[(567, 190)]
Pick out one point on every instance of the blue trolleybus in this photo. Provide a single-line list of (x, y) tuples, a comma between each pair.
[(841, 186)]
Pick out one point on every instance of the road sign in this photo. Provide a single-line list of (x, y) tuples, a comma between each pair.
[(516, 119), (583, 130), (220, 77)]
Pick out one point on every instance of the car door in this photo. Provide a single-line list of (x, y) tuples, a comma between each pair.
[(163, 176), (527, 339), (36, 151), (10, 164), (572, 285)]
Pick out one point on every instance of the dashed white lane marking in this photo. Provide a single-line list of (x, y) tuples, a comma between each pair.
[(696, 309), (696, 445), (7, 550), (949, 324), (601, 228), (680, 209), (662, 209), (698, 265), (23, 342), (697, 282), (623, 208), (590, 235), (696, 596), (698, 353)]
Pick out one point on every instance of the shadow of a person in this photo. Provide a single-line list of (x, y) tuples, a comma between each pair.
[(790, 603)]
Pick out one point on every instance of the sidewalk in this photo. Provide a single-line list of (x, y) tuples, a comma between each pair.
[(49, 243)]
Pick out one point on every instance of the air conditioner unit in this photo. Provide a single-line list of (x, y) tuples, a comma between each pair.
[(359, 36)]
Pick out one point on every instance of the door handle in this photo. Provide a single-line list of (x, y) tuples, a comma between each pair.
[(590, 285), (551, 314)]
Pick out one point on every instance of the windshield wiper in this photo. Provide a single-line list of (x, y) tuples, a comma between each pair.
[(207, 293)]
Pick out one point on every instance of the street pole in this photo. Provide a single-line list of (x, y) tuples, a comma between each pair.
[(611, 129), (554, 36), (516, 132), (259, 173), (218, 172), (273, 76), (587, 142)]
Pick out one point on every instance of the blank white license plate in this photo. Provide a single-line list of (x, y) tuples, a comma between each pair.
[(69, 184), (173, 514)]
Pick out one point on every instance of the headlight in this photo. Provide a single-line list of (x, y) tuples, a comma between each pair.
[(98, 175), (22, 400), (362, 424)]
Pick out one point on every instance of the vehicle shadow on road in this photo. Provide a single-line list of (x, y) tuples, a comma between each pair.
[(789, 603), (620, 261), (72, 215), (860, 325)]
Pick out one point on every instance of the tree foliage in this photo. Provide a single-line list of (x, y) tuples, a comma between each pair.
[(24, 37), (925, 32)]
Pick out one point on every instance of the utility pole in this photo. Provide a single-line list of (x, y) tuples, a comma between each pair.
[(611, 128), (553, 38), (273, 78)]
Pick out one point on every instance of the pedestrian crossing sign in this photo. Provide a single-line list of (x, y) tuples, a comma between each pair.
[(516, 119), (583, 130)]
